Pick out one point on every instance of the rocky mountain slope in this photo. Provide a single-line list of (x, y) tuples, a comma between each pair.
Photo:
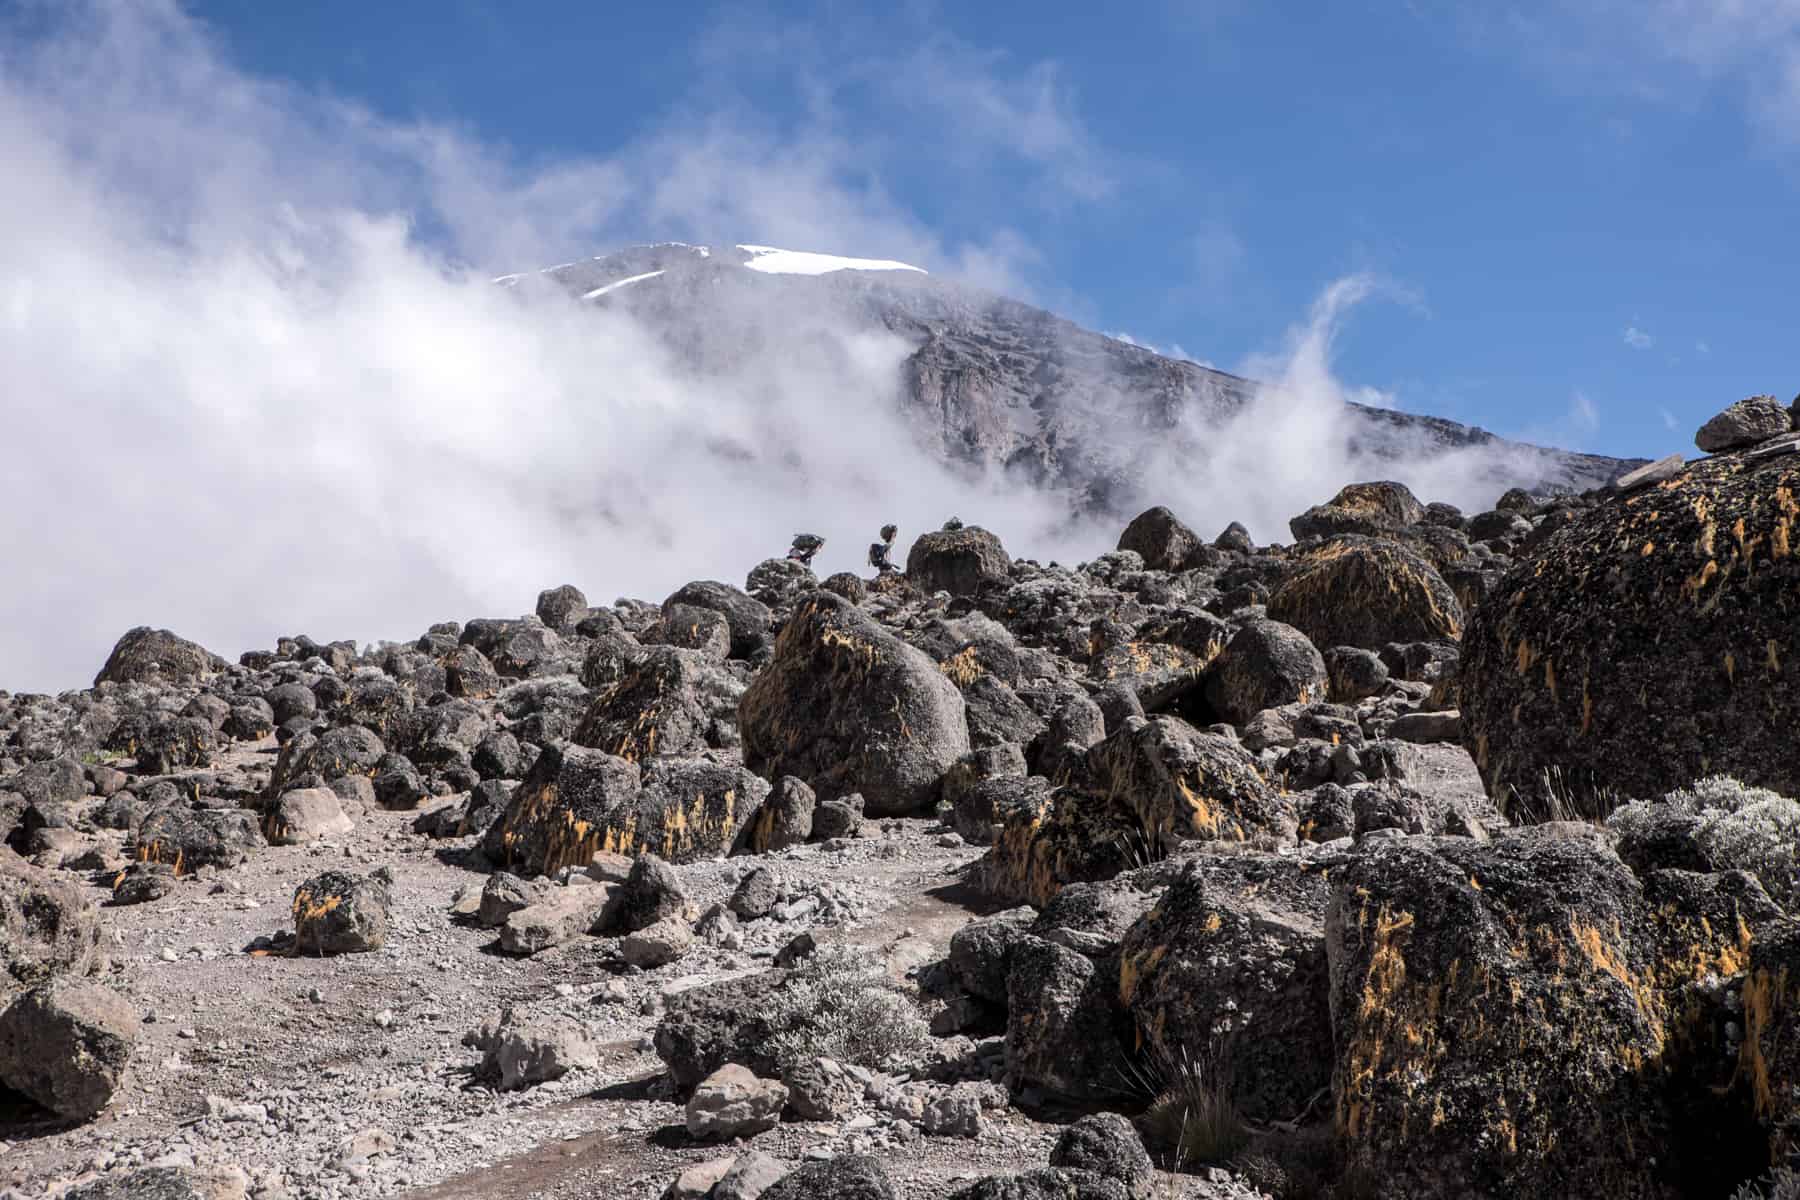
[(1167, 874), (992, 383)]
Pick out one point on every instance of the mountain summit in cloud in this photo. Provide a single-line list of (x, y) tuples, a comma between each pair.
[(993, 386)]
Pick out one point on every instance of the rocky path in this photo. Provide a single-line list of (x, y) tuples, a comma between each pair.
[(346, 1076)]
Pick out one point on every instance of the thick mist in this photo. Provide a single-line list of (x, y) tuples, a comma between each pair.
[(255, 384)]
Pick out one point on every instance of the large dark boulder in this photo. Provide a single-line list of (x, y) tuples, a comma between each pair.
[(576, 802), (1377, 509), (1265, 665), (848, 707), (48, 926), (1045, 1183), (748, 618), (1234, 953), (335, 913), (1654, 641), (67, 1045), (1183, 785), (1358, 591), (673, 702), (187, 839), (1161, 538), (163, 1183), (705, 1027), (1138, 794), (1065, 1032), (958, 561), (560, 607), (145, 655), (1108, 1145), (1521, 1017)]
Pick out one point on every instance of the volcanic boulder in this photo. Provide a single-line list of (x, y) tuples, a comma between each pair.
[(1357, 591), (673, 702), (958, 561), (1235, 951), (48, 927), (848, 707), (1148, 787), (1161, 538), (145, 655), (576, 801), (1513, 1015), (1378, 508), (1654, 641), (748, 618), (1265, 665), (67, 1046), (1744, 424), (335, 913)]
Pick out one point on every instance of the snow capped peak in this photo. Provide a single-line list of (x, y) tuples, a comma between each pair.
[(772, 260)]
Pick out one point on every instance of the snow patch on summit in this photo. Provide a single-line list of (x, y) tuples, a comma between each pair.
[(601, 291), (771, 260)]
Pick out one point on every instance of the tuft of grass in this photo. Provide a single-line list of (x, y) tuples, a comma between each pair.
[(1194, 1118), (1559, 798), (1779, 1184)]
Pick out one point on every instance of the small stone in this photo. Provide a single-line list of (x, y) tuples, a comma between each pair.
[(733, 1102)]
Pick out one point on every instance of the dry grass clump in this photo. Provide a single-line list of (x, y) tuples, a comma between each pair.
[(1193, 1118)]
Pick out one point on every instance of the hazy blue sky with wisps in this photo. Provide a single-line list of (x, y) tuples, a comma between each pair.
[(1584, 211)]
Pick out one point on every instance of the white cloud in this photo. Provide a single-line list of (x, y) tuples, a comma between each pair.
[(258, 382), (1702, 348), (1219, 256), (1637, 339), (1664, 52), (1668, 419), (1584, 417)]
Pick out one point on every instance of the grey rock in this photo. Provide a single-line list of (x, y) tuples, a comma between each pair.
[(67, 1046), (659, 944), (1745, 423), (529, 1053), (1108, 1145), (732, 1102)]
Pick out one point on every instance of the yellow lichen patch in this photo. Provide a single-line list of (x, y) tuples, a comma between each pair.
[(1697, 582), (961, 667), (1703, 545), (1774, 657), (861, 656), (1202, 814), (1730, 667), (1135, 968), (1767, 1003), (308, 908), (1649, 549), (1525, 656)]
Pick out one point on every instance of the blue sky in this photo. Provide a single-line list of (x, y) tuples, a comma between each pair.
[(1582, 214)]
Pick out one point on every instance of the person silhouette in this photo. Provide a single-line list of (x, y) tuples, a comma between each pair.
[(879, 551), (805, 546)]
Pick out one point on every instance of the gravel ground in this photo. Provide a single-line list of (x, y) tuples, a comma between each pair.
[(332, 1078)]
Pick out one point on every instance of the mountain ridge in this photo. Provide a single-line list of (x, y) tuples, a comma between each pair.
[(989, 383)]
